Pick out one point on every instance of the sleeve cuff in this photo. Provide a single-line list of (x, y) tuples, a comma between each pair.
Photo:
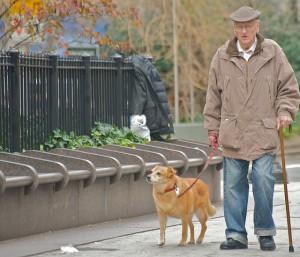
[(284, 113)]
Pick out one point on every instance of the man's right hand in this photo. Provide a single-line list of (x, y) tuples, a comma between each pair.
[(213, 139)]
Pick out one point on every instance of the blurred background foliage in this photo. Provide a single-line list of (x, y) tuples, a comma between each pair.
[(202, 26), (146, 27)]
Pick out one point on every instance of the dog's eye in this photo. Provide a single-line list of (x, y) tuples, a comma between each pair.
[(158, 173)]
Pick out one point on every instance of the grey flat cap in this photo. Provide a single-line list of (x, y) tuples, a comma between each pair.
[(245, 13)]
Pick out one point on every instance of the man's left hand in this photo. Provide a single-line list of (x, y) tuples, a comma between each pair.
[(283, 121)]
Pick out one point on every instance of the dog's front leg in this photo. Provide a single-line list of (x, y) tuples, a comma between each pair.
[(162, 223), (185, 221)]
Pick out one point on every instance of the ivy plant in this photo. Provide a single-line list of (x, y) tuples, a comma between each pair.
[(101, 134)]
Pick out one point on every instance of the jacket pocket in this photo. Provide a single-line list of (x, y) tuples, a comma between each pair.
[(229, 134), (268, 134)]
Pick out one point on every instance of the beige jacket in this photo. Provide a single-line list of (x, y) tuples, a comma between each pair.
[(244, 98)]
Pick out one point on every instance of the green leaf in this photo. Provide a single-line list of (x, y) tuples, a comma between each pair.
[(61, 144)]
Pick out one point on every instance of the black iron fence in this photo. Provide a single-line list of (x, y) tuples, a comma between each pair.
[(42, 93)]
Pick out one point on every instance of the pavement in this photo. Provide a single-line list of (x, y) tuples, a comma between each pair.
[(138, 236)]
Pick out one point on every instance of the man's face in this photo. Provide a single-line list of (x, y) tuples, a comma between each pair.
[(246, 32)]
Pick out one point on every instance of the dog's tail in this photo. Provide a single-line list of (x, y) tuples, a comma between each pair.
[(211, 209)]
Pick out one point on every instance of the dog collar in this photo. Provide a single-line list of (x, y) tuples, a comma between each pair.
[(175, 187)]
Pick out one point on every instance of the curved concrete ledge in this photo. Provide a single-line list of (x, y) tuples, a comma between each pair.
[(130, 163), (77, 168), (100, 161), (16, 172), (2, 182), (41, 166), (175, 158), (151, 158)]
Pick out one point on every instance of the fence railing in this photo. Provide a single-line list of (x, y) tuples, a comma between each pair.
[(42, 93)]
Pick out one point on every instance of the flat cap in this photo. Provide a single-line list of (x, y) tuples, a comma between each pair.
[(245, 13)]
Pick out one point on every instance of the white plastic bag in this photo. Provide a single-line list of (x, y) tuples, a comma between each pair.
[(68, 249), (139, 127)]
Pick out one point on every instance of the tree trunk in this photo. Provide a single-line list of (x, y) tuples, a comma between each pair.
[(294, 11)]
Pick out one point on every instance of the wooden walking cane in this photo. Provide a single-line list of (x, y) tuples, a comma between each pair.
[(284, 176)]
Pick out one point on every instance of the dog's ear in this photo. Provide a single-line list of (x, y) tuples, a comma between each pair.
[(154, 168), (171, 171)]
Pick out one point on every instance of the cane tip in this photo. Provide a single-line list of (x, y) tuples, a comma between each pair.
[(291, 249)]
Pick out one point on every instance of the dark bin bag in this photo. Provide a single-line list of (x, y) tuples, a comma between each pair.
[(149, 97)]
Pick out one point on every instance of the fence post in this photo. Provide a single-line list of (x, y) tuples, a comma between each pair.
[(53, 97), (14, 101), (119, 91), (87, 93)]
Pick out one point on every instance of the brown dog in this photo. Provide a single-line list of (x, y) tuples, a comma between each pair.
[(167, 186)]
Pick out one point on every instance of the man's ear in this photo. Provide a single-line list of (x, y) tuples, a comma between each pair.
[(171, 171), (258, 25)]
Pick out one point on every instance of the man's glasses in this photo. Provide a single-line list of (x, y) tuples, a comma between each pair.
[(242, 27)]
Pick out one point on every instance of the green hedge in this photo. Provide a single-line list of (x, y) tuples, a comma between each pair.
[(101, 134)]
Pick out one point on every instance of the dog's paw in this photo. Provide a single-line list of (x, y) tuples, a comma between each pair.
[(182, 243), (161, 244), (192, 242), (199, 241)]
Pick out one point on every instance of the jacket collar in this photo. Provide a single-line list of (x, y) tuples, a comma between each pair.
[(233, 51)]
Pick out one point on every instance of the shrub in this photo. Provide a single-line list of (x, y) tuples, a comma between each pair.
[(101, 134)]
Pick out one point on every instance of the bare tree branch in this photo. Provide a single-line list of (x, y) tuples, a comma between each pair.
[(8, 8)]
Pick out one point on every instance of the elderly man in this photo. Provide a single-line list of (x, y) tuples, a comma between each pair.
[(252, 92)]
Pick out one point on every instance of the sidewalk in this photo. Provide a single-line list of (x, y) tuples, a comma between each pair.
[(139, 236)]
